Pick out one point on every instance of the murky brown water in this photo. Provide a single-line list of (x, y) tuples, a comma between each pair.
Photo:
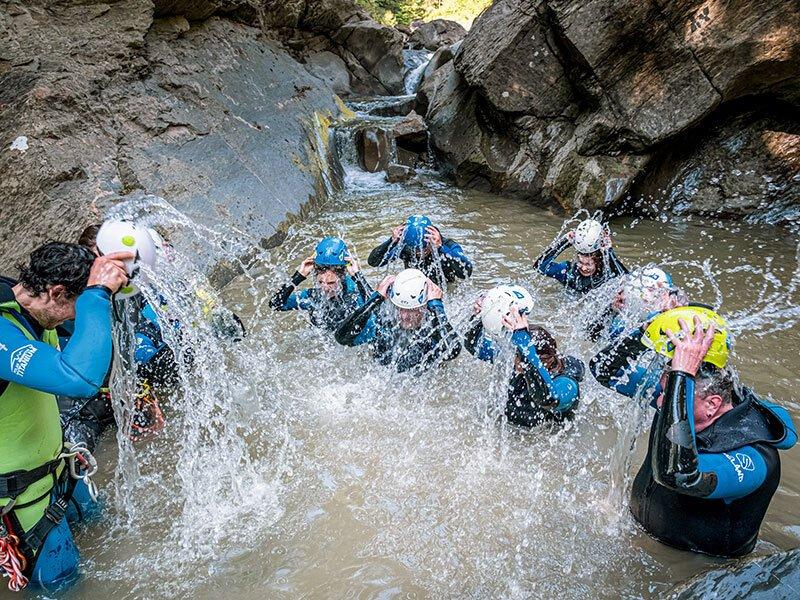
[(355, 482)]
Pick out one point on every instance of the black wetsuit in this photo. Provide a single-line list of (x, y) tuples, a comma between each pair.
[(535, 395), (567, 273), (415, 350), (702, 491), (455, 264)]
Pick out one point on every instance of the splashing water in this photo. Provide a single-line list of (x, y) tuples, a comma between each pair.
[(291, 466)]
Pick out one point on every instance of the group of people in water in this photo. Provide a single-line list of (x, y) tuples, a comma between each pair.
[(712, 465)]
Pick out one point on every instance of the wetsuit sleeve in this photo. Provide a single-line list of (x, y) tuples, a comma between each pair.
[(546, 264), (78, 371), (676, 462), (285, 298), (455, 263), (563, 390), (146, 348), (615, 264), (477, 343), (359, 327), (616, 368), (383, 254), (362, 285), (449, 345)]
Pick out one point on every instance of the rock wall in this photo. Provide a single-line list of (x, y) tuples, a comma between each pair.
[(187, 100), (577, 102)]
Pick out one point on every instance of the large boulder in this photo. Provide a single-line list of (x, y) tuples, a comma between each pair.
[(374, 149), (103, 100), (331, 69), (378, 49), (508, 58), (620, 81), (437, 33), (744, 164)]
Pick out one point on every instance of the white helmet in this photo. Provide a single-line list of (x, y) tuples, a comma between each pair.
[(410, 289), (122, 236), (588, 236), (499, 301), (158, 240), (648, 280)]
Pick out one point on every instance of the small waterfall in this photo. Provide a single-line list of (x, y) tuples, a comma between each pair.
[(415, 62)]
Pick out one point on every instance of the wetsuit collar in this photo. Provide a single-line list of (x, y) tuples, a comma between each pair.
[(7, 295), (748, 422)]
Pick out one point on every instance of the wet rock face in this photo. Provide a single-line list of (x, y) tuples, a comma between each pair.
[(435, 34), (110, 100), (615, 82), (745, 164), (374, 149)]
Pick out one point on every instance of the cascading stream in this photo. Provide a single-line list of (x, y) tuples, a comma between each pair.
[(293, 467)]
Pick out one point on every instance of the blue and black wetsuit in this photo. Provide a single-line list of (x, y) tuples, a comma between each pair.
[(85, 419), (704, 491), (567, 274), (455, 264), (328, 313), (535, 395), (414, 350)]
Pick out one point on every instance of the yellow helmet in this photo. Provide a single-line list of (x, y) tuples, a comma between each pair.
[(655, 336)]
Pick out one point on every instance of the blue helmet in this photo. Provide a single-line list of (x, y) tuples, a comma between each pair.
[(414, 235), (331, 252)]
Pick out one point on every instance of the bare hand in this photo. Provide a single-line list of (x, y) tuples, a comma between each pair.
[(352, 265), (618, 303), (607, 242), (514, 321), (306, 267), (477, 306), (433, 237), (571, 236), (690, 348), (397, 232), (110, 271), (434, 291), (383, 286)]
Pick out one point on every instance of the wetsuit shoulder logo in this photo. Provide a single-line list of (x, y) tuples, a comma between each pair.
[(741, 463), (746, 462), (20, 359), (3, 347)]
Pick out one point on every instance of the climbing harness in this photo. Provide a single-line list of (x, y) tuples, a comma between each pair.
[(16, 546)]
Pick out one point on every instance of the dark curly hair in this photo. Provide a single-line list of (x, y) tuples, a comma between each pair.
[(57, 263)]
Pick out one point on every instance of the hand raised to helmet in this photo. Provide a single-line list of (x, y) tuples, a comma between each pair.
[(306, 267), (514, 320), (434, 291), (383, 286), (397, 233)]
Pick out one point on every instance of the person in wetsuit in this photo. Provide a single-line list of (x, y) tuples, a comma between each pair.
[(712, 464), (61, 282), (85, 419), (411, 332), (420, 245), (544, 387), (595, 262), (642, 293), (340, 286)]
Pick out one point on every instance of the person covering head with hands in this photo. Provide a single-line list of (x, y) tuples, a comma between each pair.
[(595, 260), (411, 331), (339, 285), (419, 244), (60, 282), (544, 386), (712, 465)]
